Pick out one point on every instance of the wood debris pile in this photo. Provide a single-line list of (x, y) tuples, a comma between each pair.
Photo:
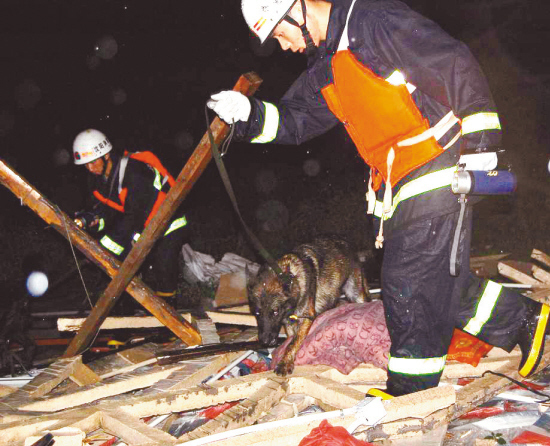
[(123, 396)]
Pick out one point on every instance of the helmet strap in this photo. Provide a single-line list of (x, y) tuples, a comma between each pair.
[(310, 45)]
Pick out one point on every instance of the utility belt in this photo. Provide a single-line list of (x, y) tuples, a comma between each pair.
[(463, 183)]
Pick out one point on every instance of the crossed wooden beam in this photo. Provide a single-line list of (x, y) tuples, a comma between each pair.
[(123, 274)]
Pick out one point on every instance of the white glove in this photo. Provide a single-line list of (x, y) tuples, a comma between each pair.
[(231, 106), (479, 161)]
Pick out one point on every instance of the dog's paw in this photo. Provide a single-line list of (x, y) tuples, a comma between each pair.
[(284, 368)]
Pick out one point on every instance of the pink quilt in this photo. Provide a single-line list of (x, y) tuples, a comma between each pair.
[(345, 337)]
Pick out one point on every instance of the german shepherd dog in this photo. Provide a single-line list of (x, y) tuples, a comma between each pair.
[(311, 281)]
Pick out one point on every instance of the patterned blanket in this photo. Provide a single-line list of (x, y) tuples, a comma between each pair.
[(345, 337)]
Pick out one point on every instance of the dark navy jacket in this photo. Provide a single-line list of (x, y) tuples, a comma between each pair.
[(386, 35)]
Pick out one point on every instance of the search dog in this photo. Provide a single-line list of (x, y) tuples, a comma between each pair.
[(311, 280)]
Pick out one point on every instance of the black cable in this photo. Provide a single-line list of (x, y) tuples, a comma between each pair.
[(515, 381), (225, 178)]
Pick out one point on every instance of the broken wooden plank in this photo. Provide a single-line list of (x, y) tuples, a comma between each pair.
[(290, 406), (541, 295), (133, 431), (83, 375), (428, 411), (247, 84), (519, 273), (67, 436), (541, 274), (114, 323), (247, 412), (43, 383), (138, 379), (541, 257)]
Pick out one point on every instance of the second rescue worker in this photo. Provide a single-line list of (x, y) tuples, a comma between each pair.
[(416, 103), (128, 190)]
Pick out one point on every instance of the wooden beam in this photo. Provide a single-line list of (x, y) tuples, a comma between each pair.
[(63, 224), (541, 274), (513, 270), (83, 375), (541, 257), (247, 84), (113, 323)]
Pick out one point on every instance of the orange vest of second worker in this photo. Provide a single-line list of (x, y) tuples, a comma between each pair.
[(162, 177)]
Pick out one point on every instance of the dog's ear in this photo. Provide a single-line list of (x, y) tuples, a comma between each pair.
[(286, 281)]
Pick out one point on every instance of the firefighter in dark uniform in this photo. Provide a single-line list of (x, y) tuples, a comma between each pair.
[(128, 190), (416, 104)]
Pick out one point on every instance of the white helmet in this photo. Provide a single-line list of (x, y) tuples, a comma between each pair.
[(262, 16), (90, 145)]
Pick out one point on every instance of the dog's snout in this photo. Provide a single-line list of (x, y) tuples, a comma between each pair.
[(268, 340)]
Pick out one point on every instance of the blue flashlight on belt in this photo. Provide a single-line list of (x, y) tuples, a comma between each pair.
[(483, 182)]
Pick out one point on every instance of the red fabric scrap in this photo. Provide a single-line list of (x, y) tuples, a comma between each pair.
[(328, 435), (214, 411), (467, 348), (483, 412), (528, 437)]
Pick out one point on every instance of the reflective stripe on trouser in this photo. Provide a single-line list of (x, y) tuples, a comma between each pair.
[(424, 303), (484, 308), (176, 224), (416, 366), (111, 245)]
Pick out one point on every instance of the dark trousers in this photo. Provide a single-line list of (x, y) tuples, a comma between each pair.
[(164, 261), (423, 303)]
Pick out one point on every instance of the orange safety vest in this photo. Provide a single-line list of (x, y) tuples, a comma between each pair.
[(378, 116), (148, 158)]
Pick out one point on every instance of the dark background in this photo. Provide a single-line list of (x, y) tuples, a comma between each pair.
[(141, 72)]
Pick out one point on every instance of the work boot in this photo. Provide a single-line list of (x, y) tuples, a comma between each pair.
[(531, 338)]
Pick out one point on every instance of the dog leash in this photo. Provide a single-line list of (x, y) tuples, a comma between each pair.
[(225, 178)]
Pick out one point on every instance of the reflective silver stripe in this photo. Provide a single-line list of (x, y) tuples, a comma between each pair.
[(176, 224), (416, 366), (111, 245), (480, 121), (397, 78), (484, 309), (158, 180), (423, 184), (101, 225), (122, 172), (271, 124)]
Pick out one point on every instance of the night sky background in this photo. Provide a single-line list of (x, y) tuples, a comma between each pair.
[(141, 72)]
